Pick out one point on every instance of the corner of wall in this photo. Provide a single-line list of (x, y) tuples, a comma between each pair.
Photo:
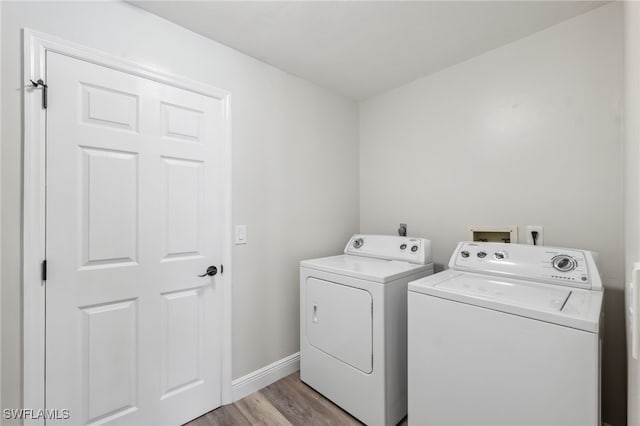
[(1, 367)]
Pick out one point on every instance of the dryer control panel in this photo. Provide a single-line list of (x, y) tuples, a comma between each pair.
[(568, 267), (390, 247)]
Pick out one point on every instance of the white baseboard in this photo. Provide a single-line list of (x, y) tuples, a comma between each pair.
[(264, 376)]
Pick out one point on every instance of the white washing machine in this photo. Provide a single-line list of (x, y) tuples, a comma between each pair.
[(509, 335), (353, 324)]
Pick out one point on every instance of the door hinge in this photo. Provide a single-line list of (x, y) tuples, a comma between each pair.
[(45, 89), (44, 270)]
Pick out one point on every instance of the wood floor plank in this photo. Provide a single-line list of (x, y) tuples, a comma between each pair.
[(293, 406), (335, 415), (259, 411), (287, 402), (227, 415), (203, 420), (284, 404), (305, 405)]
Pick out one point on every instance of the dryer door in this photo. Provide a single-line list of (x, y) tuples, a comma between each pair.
[(340, 322)]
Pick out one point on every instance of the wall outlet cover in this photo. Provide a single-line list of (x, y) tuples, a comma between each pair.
[(539, 239)]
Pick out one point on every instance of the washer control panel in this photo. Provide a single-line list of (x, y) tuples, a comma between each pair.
[(390, 247), (569, 267)]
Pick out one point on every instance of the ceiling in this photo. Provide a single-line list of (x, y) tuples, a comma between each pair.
[(361, 48)]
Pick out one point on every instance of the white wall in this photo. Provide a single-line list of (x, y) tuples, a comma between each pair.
[(529, 133), (632, 175), (0, 215), (294, 181), (483, 142)]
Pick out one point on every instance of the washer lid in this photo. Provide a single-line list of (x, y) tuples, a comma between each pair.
[(571, 307), (366, 268), (500, 290)]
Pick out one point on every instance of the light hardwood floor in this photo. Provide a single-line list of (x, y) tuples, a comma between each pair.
[(285, 402)]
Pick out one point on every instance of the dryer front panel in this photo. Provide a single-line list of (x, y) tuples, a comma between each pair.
[(339, 322)]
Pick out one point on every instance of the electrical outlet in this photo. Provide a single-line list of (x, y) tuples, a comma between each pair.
[(539, 239)]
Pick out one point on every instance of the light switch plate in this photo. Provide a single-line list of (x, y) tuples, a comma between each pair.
[(241, 234)]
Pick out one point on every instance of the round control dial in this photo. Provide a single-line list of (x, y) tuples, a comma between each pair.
[(499, 255), (464, 253), (358, 242), (564, 263), (482, 254), (403, 246), (414, 249)]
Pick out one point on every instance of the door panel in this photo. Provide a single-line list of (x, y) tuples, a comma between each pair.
[(182, 207), (134, 215), (110, 358), (182, 340), (181, 123), (109, 201), (107, 107), (340, 322)]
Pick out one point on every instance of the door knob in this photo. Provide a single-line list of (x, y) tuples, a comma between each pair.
[(211, 271)]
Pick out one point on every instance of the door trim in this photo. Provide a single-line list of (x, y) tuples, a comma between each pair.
[(35, 47)]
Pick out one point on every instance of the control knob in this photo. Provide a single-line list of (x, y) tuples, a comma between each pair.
[(464, 254), (564, 263), (482, 254), (358, 242)]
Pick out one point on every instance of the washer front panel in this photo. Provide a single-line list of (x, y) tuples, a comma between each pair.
[(473, 366)]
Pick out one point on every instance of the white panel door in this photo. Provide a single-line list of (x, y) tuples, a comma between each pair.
[(134, 215)]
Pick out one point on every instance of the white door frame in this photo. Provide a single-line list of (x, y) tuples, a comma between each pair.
[(35, 46)]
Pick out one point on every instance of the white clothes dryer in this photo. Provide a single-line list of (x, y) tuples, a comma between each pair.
[(509, 335), (353, 324)]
